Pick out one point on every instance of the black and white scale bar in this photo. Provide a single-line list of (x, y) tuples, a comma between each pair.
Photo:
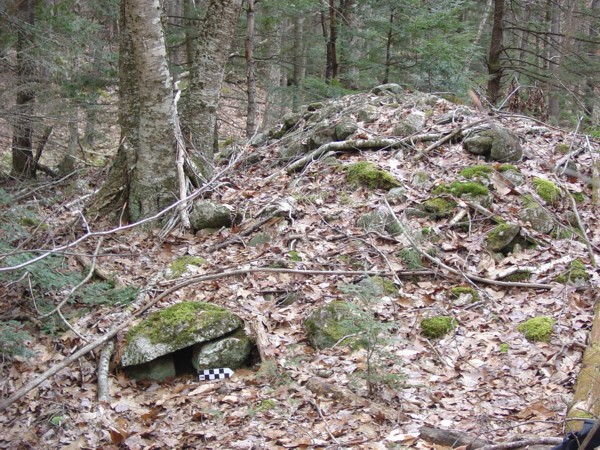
[(215, 374)]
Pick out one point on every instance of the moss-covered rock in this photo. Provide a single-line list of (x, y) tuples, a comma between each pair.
[(321, 136), (389, 88), (502, 238), (177, 327), (396, 196), (465, 291), (367, 174), (437, 327), (330, 324), (412, 123), (575, 274), (538, 329), (378, 286), (547, 190), (459, 188), (367, 114), (540, 219), (439, 207), (498, 143), (181, 265), (158, 369), (344, 130)]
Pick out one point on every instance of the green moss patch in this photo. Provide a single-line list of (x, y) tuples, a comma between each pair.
[(576, 273), (480, 171), (180, 265), (437, 327), (457, 292), (367, 174), (538, 329), (546, 189), (518, 276), (459, 188), (439, 207), (508, 168)]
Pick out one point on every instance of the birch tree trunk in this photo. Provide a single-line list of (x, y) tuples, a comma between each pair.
[(143, 176), (200, 101)]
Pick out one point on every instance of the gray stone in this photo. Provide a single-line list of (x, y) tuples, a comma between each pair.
[(292, 151), (158, 369), (343, 130), (454, 116), (396, 196), (323, 135), (391, 88), (231, 352), (503, 237), (207, 214), (290, 120), (177, 327), (498, 143), (517, 178), (539, 218), (413, 123), (259, 139), (367, 114)]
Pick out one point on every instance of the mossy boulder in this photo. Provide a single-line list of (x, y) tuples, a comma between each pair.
[(377, 286), (158, 369), (231, 351), (547, 190), (207, 214), (575, 274), (412, 123), (367, 174), (538, 329), (290, 120), (291, 151), (176, 327), (396, 196), (498, 143), (437, 327), (323, 135), (182, 264), (439, 207), (330, 324), (512, 174), (344, 130), (540, 219), (367, 114), (503, 237)]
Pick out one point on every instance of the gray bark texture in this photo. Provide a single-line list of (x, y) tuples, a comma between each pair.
[(143, 176), (200, 101)]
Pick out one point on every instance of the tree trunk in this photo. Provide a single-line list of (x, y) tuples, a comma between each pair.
[(272, 109), (297, 62), (352, 43), (388, 48), (22, 147), (590, 84), (143, 176), (331, 37), (250, 74), (553, 58), (200, 101), (494, 62)]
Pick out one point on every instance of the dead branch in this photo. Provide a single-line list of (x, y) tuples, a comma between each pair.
[(265, 349), (103, 372), (525, 443)]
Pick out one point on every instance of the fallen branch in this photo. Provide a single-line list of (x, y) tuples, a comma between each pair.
[(103, 370), (524, 443), (451, 438)]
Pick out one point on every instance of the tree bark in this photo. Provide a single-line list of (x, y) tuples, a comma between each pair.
[(143, 176), (388, 47), (331, 37), (200, 101), (272, 109), (22, 147), (494, 62), (250, 71), (297, 62)]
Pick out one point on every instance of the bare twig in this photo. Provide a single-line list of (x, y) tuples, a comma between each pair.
[(103, 372)]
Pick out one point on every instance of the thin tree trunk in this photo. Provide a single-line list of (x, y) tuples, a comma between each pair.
[(22, 147), (388, 48), (250, 74), (494, 62), (273, 103), (297, 63), (553, 58), (332, 66), (201, 99), (590, 85)]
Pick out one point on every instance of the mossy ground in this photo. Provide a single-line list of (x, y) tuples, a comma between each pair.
[(437, 327), (367, 174), (457, 291), (508, 168), (547, 190), (575, 272), (439, 207), (460, 188), (538, 329), (479, 171), (180, 265)]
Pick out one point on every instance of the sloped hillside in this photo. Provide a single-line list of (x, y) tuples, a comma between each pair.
[(417, 234)]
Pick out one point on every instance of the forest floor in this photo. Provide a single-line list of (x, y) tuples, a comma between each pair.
[(484, 378)]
